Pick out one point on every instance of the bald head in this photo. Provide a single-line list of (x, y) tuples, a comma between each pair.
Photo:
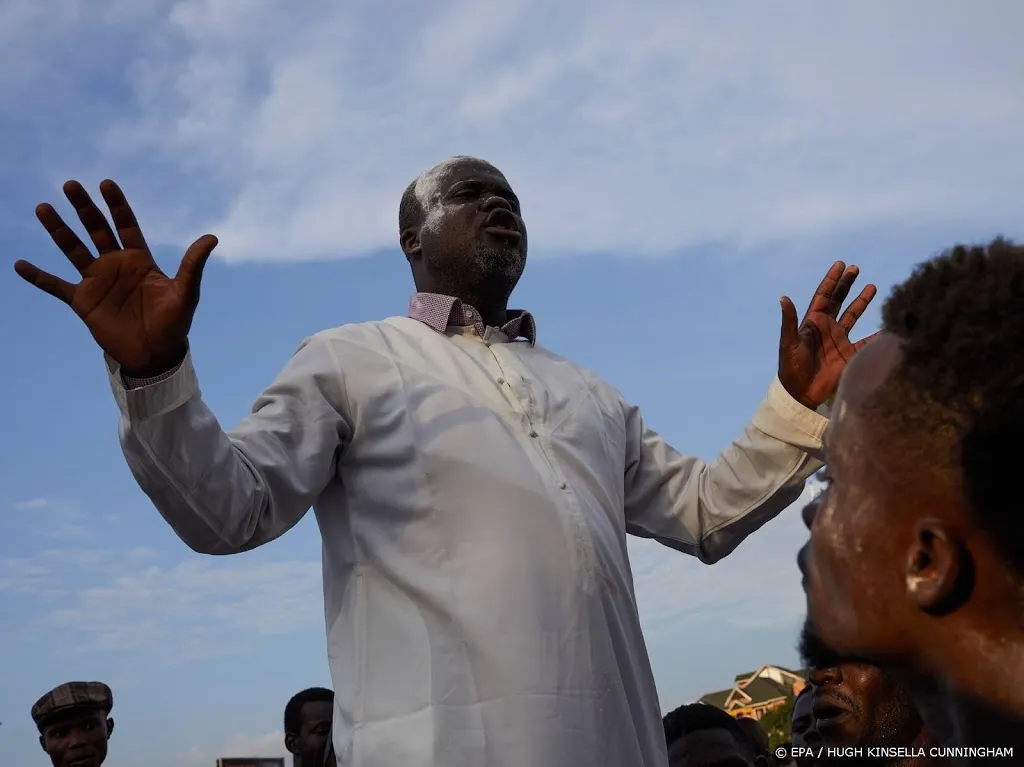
[(424, 192), (427, 185)]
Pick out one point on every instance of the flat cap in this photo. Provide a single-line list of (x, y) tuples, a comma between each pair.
[(72, 695)]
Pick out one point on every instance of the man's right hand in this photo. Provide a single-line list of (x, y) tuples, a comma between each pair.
[(138, 315)]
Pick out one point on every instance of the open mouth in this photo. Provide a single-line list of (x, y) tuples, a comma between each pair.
[(85, 760), (827, 714), (501, 223), (507, 235)]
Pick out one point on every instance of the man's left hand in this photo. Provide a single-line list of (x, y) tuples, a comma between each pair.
[(814, 352)]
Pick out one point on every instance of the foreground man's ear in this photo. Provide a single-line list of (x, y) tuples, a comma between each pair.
[(939, 570)]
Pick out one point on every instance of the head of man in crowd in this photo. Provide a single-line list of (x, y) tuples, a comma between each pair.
[(915, 557), (307, 726), (802, 733), (757, 734), (856, 704), (462, 231), (699, 735), (74, 723)]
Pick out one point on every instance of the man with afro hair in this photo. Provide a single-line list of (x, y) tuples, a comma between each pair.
[(916, 555)]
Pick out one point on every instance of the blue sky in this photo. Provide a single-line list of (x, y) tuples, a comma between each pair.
[(681, 165)]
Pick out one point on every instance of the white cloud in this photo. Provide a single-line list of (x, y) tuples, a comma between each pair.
[(641, 128), (755, 587), (52, 518), (33, 503), (125, 600), (23, 575), (194, 609), (55, 574)]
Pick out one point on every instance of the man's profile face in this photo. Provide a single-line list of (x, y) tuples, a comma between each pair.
[(803, 735), (472, 228), (711, 748), (857, 704), (853, 568), (77, 738), (311, 740)]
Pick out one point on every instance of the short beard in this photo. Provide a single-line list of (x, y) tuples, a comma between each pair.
[(498, 268)]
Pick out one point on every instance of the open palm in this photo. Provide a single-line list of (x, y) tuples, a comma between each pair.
[(814, 352), (137, 314)]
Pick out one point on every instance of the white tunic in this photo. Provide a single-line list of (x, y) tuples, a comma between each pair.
[(474, 496)]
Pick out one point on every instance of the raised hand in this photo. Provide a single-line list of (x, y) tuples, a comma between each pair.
[(814, 352), (137, 314)]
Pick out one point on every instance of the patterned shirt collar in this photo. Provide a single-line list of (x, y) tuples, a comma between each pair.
[(442, 312)]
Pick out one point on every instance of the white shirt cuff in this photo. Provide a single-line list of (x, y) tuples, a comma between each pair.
[(142, 398), (803, 418)]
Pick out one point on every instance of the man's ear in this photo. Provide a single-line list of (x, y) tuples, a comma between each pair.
[(410, 242), (939, 570), (110, 727), (289, 742)]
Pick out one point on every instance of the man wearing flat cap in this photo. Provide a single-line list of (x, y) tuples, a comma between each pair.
[(73, 723)]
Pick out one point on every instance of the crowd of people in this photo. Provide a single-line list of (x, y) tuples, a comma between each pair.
[(850, 712), (474, 492), (75, 725)]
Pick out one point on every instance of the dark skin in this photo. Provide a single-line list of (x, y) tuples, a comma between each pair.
[(473, 211), (713, 748), (77, 737), (858, 704), (471, 243), (756, 733), (930, 599), (136, 313), (802, 733), (814, 352), (310, 742)]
